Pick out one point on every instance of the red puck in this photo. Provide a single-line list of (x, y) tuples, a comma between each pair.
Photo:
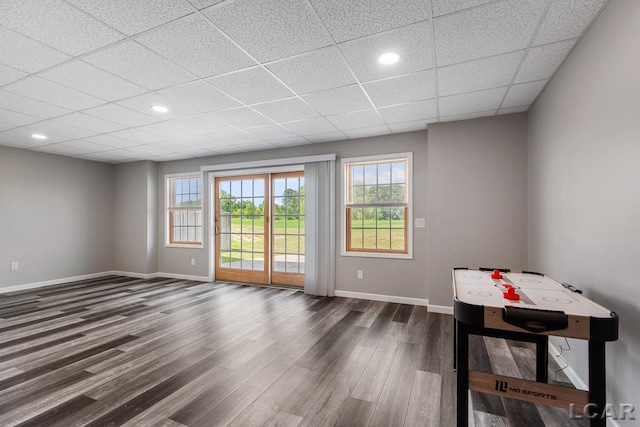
[(496, 274)]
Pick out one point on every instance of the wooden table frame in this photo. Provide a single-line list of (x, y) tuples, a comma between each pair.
[(475, 320)]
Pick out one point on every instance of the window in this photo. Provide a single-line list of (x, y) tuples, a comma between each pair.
[(184, 210), (376, 210)]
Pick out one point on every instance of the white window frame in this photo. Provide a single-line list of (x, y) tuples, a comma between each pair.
[(167, 196), (343, 208)]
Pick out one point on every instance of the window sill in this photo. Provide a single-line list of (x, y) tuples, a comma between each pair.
[(376, 255), (175, 245)]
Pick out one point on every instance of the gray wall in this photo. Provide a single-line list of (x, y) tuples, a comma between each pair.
[(584, 184), (469, 182), (56, 216), (381, 276), (477, 198), (135, 216)]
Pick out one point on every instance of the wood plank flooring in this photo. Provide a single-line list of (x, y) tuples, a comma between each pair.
[(164, 352)]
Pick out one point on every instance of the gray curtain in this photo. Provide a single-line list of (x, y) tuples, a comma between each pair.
[(320, 228)]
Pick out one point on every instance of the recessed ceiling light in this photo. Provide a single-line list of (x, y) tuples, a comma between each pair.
[(388, 58), (159, 108), (38, 136)]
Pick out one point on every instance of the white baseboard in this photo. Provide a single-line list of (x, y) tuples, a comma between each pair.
[(444, 309), (183, 277), (161, 274), (385, 298), (133, 274), (54, 282), (569, 371)]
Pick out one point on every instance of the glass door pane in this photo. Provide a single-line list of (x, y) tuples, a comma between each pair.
[(242, 208), (288, 228)]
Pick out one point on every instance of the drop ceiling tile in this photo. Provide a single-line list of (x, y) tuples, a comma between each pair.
[(230, 149), (20, 142), (26, 54), (121, 115), (84, 121), (289, 142), (367, 132), (57, 24), (271, 29), (400, 90), (444, 7), (22, 104), (567, 19), (111, 141), (359, 119), (106, 157), (496, 28), (421, 110), (523, 94), (85, 146), (412, 43), (542, 61), (5, 126), (25, 133), (138, 136), (201, 4), (69, 132), (235, 137), (200, 96), (340, 100), (326, 137), (241, 117), (195, 142), (119, 154), (61, 150), (252, 86), (143, 103), (132, 17), (347, 20), (480, 74), (408, 126), (43, 90), (468, 116), (202, 124), (512, 110), (16, 119), (94, 81), (150, 150), (319, 70), (286, 110), (310, 126), (139, 65), (8, 75), (471, 102), (257, 146), (269, 132), (166, 130), (192, 43)]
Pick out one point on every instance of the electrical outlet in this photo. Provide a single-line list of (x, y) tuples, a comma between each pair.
[(420, 223), (14, 265), (360, 275), (193, 261)]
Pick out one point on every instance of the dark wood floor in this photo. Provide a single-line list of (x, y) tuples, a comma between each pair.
[(165, 352)]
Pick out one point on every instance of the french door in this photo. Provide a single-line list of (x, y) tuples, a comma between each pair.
[(259, 228)]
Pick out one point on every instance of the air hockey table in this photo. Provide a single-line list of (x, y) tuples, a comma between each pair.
[(528, 306)]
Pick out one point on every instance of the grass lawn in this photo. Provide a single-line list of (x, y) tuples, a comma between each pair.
[(289, 237)]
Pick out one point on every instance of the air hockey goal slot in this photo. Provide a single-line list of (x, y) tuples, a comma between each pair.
[(535, 320)]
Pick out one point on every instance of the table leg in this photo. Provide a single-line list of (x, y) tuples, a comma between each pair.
[(542, 359), (455, 344), (597, 382), (462, 356)]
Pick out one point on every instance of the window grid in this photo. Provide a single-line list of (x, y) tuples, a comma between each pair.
[(376, 206), (185, 210)]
